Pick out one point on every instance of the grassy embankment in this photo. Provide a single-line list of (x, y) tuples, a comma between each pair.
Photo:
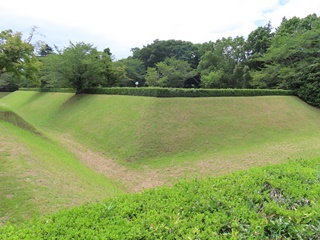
[(158, 139), (159, 131)]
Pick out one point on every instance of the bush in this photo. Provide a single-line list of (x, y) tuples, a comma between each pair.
[(273, 202)]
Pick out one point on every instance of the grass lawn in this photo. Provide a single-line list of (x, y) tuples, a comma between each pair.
[(63, 149)]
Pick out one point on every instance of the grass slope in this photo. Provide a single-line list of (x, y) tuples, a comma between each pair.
[(136, 130), (157, 139), (39, 176), (273, 202)]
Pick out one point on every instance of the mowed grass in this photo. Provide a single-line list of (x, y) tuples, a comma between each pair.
[(158, 132), (39, 176), (168, 137)]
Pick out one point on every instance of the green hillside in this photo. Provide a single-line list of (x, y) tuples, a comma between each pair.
[(162, 131), (39, 176), (59, 149), (274, 202)]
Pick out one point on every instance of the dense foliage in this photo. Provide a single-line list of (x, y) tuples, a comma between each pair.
[(169, 73), (273, 202), (160, 50), (293, 59), (17, 59), (222, 66)]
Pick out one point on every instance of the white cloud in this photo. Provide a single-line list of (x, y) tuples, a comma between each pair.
[(124, 24)]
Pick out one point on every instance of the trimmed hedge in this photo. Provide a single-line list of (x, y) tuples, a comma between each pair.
[(171, 92)]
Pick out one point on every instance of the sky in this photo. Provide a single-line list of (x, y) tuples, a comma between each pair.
[(125, 24)]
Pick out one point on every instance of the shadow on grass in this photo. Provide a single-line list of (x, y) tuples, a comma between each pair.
[(16, 120), (73, 100)]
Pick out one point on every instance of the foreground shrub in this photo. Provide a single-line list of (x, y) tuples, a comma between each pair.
[(273, 202)]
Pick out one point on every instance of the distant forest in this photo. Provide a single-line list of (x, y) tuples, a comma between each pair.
[(283, 57)]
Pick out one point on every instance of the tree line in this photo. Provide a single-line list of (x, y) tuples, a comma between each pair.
[(285, 57)]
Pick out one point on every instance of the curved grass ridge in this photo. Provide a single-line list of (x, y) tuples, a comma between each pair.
[(38, 176), (263, 203), (13, 118)]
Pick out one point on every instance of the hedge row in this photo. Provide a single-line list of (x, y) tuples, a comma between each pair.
[(171, 92)]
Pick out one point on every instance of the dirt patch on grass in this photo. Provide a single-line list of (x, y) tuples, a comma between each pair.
[(136, 180)]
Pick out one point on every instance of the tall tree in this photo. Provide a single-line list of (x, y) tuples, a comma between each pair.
[(79, 66), (257, 44)]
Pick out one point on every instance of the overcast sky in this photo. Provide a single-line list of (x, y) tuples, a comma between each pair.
[(125, 24)]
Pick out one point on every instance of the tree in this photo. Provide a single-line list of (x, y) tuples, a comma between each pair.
[(259, 40), (79, 66), (257, 45), (169, 73), (17, 59)]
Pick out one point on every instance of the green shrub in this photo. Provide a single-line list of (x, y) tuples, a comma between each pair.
[(273, 202)]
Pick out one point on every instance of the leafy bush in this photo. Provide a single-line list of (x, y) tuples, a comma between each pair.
[(273, 202)]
